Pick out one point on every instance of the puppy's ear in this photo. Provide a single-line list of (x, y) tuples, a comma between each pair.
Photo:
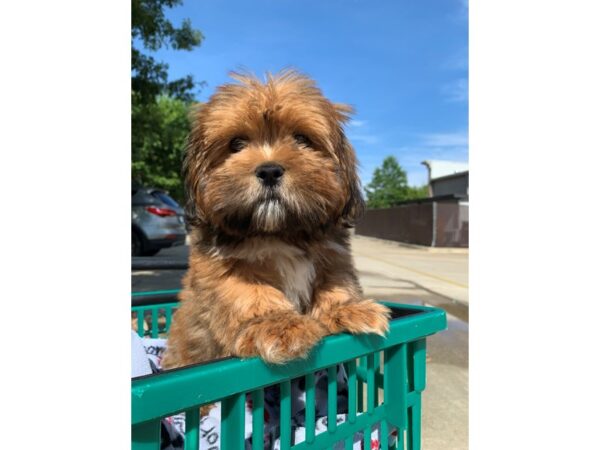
[(343, 112), (193, 168), (355, 204)]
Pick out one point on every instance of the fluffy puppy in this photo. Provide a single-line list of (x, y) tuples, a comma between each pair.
[(272, 191)]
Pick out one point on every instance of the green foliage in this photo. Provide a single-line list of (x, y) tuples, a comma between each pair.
[(415, 192), (158, 147), (159, 106), (152, 30), (389, 186)]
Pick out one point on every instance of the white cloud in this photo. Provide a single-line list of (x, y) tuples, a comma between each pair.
[(356, 123), (363, 138), (452, 146), (457, 61), (358, 132), (463, 9), (457, 139), (416, 177), (456, 91)]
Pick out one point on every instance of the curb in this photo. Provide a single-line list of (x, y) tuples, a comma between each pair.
[(424, 248)]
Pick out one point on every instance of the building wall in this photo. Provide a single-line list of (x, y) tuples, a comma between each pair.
[(458, 185), (452, 224)]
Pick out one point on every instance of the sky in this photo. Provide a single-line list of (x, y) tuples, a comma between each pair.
[(403, 66)]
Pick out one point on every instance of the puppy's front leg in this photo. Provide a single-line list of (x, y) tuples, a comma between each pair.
[(264, 323), (278, 337), (343, 309)]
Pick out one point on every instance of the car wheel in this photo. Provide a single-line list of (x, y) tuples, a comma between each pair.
[(137, 247)]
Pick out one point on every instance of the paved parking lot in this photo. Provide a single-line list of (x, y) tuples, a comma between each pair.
[(435, 277), (405, 274)]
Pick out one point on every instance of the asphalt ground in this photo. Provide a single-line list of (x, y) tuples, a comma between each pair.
[(433, 277)]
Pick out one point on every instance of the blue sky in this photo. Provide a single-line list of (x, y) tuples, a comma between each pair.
[(402, 65)]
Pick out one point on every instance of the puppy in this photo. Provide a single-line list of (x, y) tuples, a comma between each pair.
[(272, 190)]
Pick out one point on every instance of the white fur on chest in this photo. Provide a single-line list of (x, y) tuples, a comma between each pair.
[(295, 268), (298, 275)]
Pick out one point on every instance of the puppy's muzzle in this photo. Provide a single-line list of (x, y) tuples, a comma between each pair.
[(269, 174)]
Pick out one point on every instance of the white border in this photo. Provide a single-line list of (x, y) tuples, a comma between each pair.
[(65, 149), (534, 140)]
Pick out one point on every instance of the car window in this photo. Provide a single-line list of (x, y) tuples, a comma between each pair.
[(163, 197)]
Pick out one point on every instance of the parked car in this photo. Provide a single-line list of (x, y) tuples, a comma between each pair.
[(157, 221)]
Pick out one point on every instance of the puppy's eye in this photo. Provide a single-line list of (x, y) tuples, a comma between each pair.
[(237, 144), (302, 140)]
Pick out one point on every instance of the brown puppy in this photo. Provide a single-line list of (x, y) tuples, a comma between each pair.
[(272, 189)]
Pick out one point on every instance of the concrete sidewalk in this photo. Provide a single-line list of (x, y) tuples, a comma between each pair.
[(436, 276), (391, 271)]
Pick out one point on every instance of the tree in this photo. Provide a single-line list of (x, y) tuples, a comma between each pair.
[(151, 29), (164, 126), (389, 186), (159, 106), (416, 192)]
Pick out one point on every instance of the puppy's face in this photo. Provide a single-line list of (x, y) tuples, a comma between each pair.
[(270, 158)]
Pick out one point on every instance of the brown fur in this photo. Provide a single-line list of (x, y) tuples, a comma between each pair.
[(270, 268)]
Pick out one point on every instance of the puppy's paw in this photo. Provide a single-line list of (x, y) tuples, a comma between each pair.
[(205, 410), (357, 317), (278, 339)]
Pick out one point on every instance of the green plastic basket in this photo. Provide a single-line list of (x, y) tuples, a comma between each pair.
[(386, 377)]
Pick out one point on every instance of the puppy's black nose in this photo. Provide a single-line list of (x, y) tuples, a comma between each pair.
[(269, 173)]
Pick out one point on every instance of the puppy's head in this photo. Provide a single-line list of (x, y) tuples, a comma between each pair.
[(270, 158)]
